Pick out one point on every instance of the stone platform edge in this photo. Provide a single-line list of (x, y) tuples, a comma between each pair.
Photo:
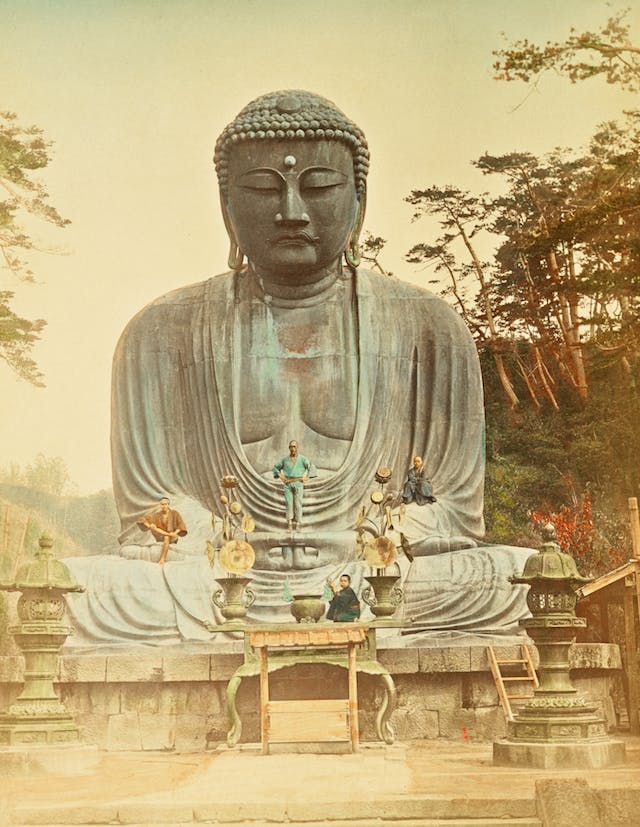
[(136, 666)]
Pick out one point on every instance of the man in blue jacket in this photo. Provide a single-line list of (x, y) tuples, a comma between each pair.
[(294, 470)]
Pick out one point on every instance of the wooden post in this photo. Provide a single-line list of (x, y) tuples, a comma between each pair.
[(634, 519), (264, 700), (353, 698), (5, 530), (603, 606), (632, 658)]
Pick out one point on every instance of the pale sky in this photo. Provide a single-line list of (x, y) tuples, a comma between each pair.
[(134, 94)]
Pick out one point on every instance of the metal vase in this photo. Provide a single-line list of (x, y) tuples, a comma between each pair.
[(383, 594), (307, 608), (233, 598)]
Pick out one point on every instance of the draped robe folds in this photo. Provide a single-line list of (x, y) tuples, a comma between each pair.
[(175, 415), (175, 407)]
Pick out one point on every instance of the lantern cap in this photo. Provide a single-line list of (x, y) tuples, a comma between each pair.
[(550, 563), (45, 572)]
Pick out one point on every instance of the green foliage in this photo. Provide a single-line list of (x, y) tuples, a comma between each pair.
[(17, 337), (562, 292), (509, 487), (370, 248), (544, 460), (90, 523), (79, 526), (555, 312), (608, 53), (47, 474), (23, 150)]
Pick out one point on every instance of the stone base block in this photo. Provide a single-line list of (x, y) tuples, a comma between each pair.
[(555, 756), (175, 700), (18, 732), (58, 759)]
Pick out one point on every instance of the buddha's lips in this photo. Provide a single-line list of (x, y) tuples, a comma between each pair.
[(300, 237)]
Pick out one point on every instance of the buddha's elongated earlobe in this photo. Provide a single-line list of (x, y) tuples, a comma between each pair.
[(352, 252), (236, 256)]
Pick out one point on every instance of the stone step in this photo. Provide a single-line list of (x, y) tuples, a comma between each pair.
[(402, 822), (401, 812)]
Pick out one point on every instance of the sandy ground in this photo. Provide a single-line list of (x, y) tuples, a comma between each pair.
[(438, 769)]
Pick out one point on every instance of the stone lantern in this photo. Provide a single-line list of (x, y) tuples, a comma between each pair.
[(38, 716), (556, 728)]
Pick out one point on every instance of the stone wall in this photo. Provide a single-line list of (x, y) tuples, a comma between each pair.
[(160, 700)]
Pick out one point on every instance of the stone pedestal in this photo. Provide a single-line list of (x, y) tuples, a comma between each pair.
[(38, 716), (559, 756)]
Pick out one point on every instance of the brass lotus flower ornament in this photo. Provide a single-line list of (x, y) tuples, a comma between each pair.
[(383, 594), (236, 555), (376, 519)]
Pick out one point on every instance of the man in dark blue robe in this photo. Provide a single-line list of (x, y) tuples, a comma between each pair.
[(417, 487), (344, 606)]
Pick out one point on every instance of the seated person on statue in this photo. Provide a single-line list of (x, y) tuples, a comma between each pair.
[(165, 525), (417, 487), (298, 338), (344, 606)]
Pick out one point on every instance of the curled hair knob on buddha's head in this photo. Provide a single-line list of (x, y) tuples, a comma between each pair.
[(293, 114)]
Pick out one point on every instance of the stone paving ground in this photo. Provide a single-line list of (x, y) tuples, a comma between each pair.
[(418, 782)]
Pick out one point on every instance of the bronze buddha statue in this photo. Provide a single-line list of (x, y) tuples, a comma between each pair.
[(298, 341)]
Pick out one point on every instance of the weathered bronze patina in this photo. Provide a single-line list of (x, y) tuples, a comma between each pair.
[(298, 341)]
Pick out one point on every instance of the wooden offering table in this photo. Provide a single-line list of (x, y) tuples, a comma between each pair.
[(270, 648)]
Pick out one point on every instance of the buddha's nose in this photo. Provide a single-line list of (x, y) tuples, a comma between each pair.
[(292, 208)]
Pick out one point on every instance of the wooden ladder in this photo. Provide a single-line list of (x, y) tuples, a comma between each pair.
[(528, 675)]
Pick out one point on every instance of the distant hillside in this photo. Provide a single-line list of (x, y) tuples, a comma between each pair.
[(80, 525)]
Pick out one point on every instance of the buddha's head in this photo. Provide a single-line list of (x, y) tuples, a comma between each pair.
[(292, 172)]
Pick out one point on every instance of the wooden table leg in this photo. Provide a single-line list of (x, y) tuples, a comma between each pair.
[(264, 700), (353, 699)]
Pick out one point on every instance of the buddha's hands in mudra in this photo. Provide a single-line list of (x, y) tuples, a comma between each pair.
[(308, 549)]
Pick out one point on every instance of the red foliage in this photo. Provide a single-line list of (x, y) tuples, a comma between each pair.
[(579, 537)]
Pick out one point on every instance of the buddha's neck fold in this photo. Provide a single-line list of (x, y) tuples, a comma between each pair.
[(292, 292)]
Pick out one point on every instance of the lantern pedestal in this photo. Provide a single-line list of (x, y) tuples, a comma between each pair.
[(556, 729), (38, 716)]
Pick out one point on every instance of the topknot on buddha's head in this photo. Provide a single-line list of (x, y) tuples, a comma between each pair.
[(293, 114)]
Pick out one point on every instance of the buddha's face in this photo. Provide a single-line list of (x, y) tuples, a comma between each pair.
[(292, 205)]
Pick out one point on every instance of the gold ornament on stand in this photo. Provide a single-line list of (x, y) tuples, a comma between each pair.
[(236, 556), (383, 594)]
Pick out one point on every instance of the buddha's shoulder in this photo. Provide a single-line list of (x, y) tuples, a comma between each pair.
[(192, 295), (179, 304), (412, 300)]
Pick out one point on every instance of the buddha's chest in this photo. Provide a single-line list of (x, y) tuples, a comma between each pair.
[(298, 371)]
